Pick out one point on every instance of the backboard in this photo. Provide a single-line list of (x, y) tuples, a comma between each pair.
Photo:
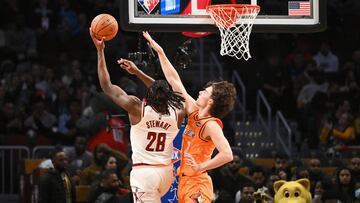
[(276, 16)]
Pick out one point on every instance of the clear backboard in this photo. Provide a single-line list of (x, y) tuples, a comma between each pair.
[(276, 16)]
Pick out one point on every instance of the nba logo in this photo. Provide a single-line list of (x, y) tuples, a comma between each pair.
[(148, 5)]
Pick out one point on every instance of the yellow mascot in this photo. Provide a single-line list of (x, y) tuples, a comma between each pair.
[(292, 192)]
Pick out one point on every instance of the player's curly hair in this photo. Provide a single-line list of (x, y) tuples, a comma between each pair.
[(224, 95), (161, 97)]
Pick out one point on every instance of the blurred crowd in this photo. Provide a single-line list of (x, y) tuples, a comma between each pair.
[(48, 83), (105, 172), (246, 181), (313, 79)]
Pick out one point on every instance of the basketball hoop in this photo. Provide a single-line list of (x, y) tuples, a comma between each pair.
[(235, 22)]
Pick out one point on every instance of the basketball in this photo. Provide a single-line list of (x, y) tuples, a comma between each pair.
[(104, 25)]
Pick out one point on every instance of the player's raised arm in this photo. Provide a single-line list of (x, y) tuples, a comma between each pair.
[(171, 74), (129, 103), (132, 69), (169, 71)]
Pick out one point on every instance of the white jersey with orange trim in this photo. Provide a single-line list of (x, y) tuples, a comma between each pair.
[(152, 138)]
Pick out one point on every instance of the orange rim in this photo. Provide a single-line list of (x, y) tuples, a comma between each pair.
[(238, 7)]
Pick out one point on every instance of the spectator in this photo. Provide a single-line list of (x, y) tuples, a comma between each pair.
[(310, 119), (11, 120), (79, 158), (68, 21), (60, 105), (355, 167), (315, 172), (342, 133), (281, 167), (223, 197), (87, 176), (42, 17), (317, 192), (305, 77), (349, 86), (258, 176), (343, 107), (101, 152), (67, 122), (357, 192), (296, 66), (269, 184), (345, 185), (105, 192), (301, 172), (41, 122), (357, 125), (320, 188), (21, 40), (56, 185), (111, 163), (93, 119), (245, 195), (124, 184), (307, 92), (326, 61), (228, 179)]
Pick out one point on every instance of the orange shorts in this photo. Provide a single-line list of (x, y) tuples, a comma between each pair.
[(195, 189)]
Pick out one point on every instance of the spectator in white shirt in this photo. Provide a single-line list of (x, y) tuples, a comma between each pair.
[(326, 61)]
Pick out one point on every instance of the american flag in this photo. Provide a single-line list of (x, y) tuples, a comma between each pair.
[(299, 8)]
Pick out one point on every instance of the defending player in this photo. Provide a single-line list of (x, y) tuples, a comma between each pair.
[(154, 125), (202, 134)]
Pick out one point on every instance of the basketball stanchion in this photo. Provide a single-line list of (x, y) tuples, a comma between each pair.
[(235, 23)]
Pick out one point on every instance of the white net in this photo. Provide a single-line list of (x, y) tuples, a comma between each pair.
[(235, 24)]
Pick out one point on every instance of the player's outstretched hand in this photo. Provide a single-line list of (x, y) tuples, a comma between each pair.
[(152, 42), (99, 44), (127, 65)]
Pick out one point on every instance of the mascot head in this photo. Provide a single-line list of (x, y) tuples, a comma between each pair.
[(292, 192)]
